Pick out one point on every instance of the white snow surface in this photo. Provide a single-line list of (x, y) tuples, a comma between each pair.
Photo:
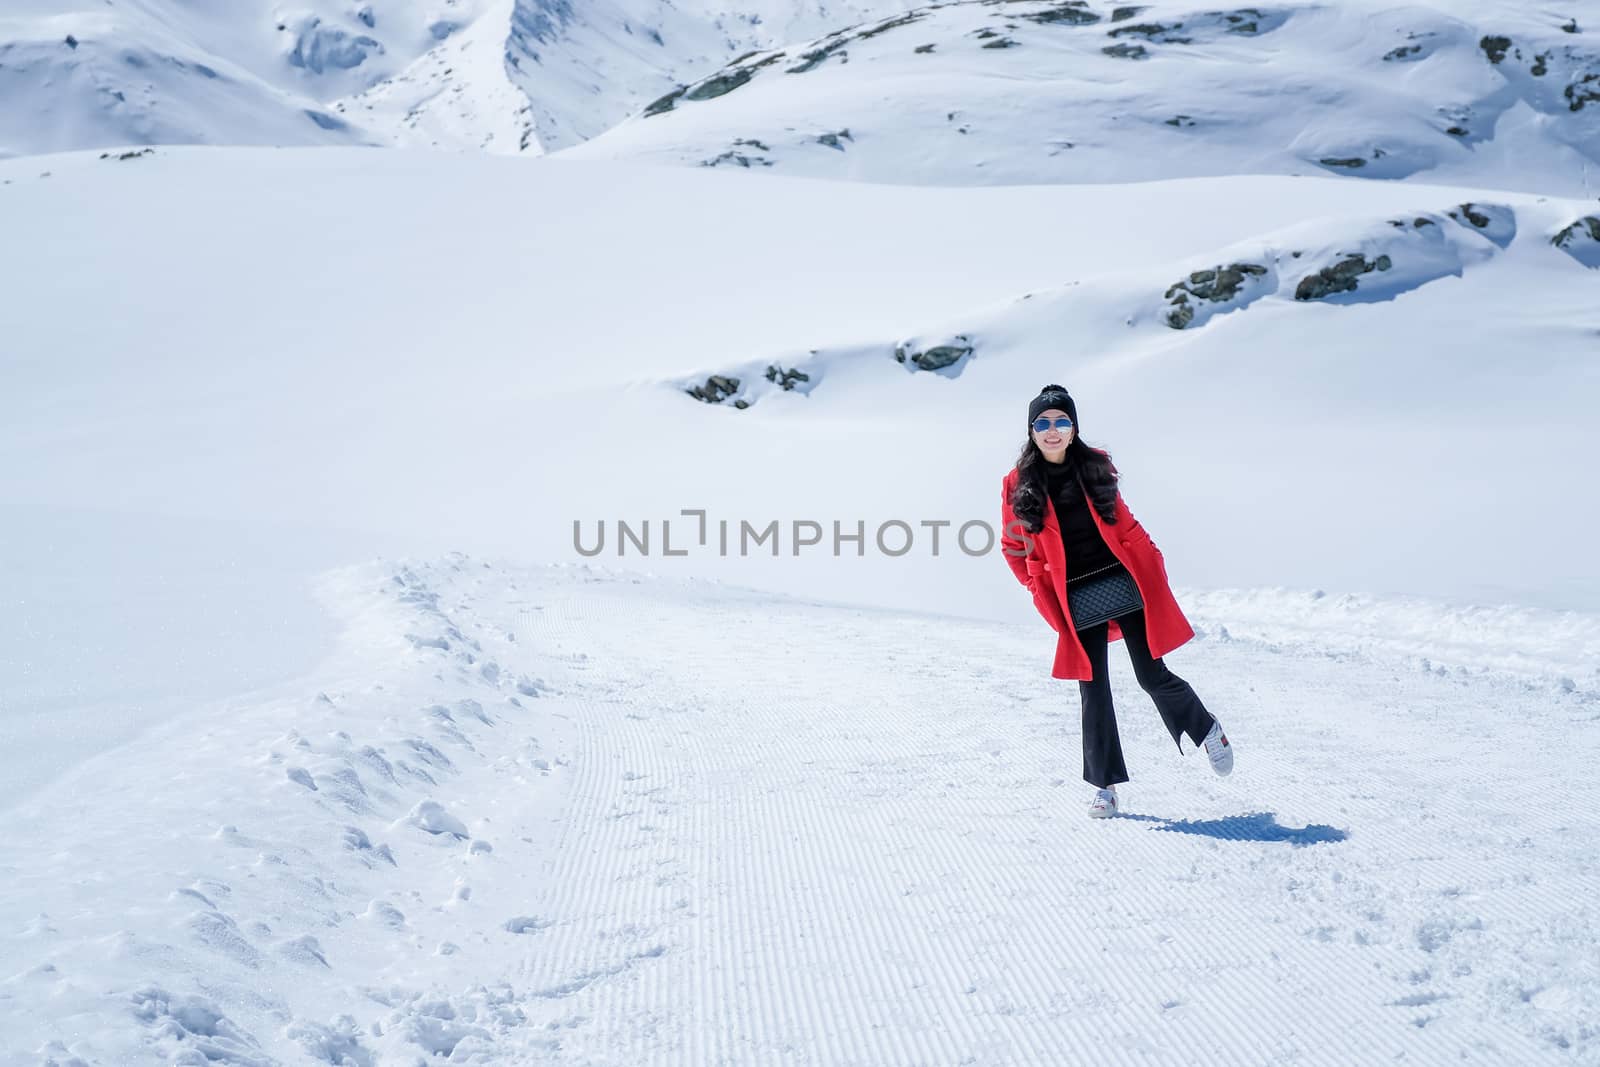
[(576, 814)]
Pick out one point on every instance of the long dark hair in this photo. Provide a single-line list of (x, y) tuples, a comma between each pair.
[(1094, 471)]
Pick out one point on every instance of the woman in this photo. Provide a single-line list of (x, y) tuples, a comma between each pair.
[(1065, 491)]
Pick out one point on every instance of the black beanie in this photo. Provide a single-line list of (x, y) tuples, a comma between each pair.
[(1052, 396)]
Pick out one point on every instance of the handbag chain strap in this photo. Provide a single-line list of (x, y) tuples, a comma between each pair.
[(1091, 574)]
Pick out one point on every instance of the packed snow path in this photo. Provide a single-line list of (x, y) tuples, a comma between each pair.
[(677, 822)]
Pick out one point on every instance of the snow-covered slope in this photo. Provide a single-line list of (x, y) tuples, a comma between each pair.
[(587, 65), (499, 75), (1490, 92), (166, 71), (1386, 422), (574, 815)]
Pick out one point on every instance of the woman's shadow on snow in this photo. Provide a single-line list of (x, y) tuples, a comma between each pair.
[(1256, 826)]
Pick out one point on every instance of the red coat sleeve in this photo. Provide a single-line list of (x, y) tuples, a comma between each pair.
[(1016, 544)]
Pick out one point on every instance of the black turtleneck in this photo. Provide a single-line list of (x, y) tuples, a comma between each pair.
[(1080, 538)]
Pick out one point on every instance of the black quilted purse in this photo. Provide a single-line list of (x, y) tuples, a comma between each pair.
[(1102, 594)]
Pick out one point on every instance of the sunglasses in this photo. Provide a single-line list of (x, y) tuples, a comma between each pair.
[(1041, 425)]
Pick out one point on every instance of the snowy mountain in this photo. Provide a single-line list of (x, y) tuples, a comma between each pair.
[(123, 72), (501, 75), (1024, 91)]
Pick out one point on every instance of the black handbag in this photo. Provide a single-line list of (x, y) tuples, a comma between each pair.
[(1102, 594)]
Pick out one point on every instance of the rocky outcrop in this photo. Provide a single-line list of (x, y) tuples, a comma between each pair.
[(786, 379), (1069, 14), (718, 389), (736, 158), (1586, 90), (663, 104), (1152, 31), (1581, 240), (1217, 285), (936, 358), (1339, 278), (1567, 237), (726, 81)]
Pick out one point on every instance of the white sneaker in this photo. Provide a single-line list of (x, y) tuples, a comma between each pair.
[(1104, 803), (1218, 749)]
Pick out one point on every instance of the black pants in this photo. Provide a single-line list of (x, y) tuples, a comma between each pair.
[(1178, 703)]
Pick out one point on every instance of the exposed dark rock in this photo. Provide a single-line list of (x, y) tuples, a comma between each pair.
[(1457, 131), (1066, 14), (1539, 69), (935, 358), (1126, 51), (1402, 52), (899, 20), (923, 49), (664, 103), (1339, 278), (1246, 20), (985, 33), (1567, 236), (752, 142), (1419, 223), (739, 158), (71, 41), (716, 390), (817, 56), (1570, 26), (1180, 121), (718, 84), (1586, 90), (1151, 31), (1122, 14), (1004, 42), (832, 139), (1495, 47), (130, 154), (1349, 161), (786, 378), (1471, 214), (1218, 285)]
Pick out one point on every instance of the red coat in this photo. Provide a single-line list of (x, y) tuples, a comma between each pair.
[(1165, 624)]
